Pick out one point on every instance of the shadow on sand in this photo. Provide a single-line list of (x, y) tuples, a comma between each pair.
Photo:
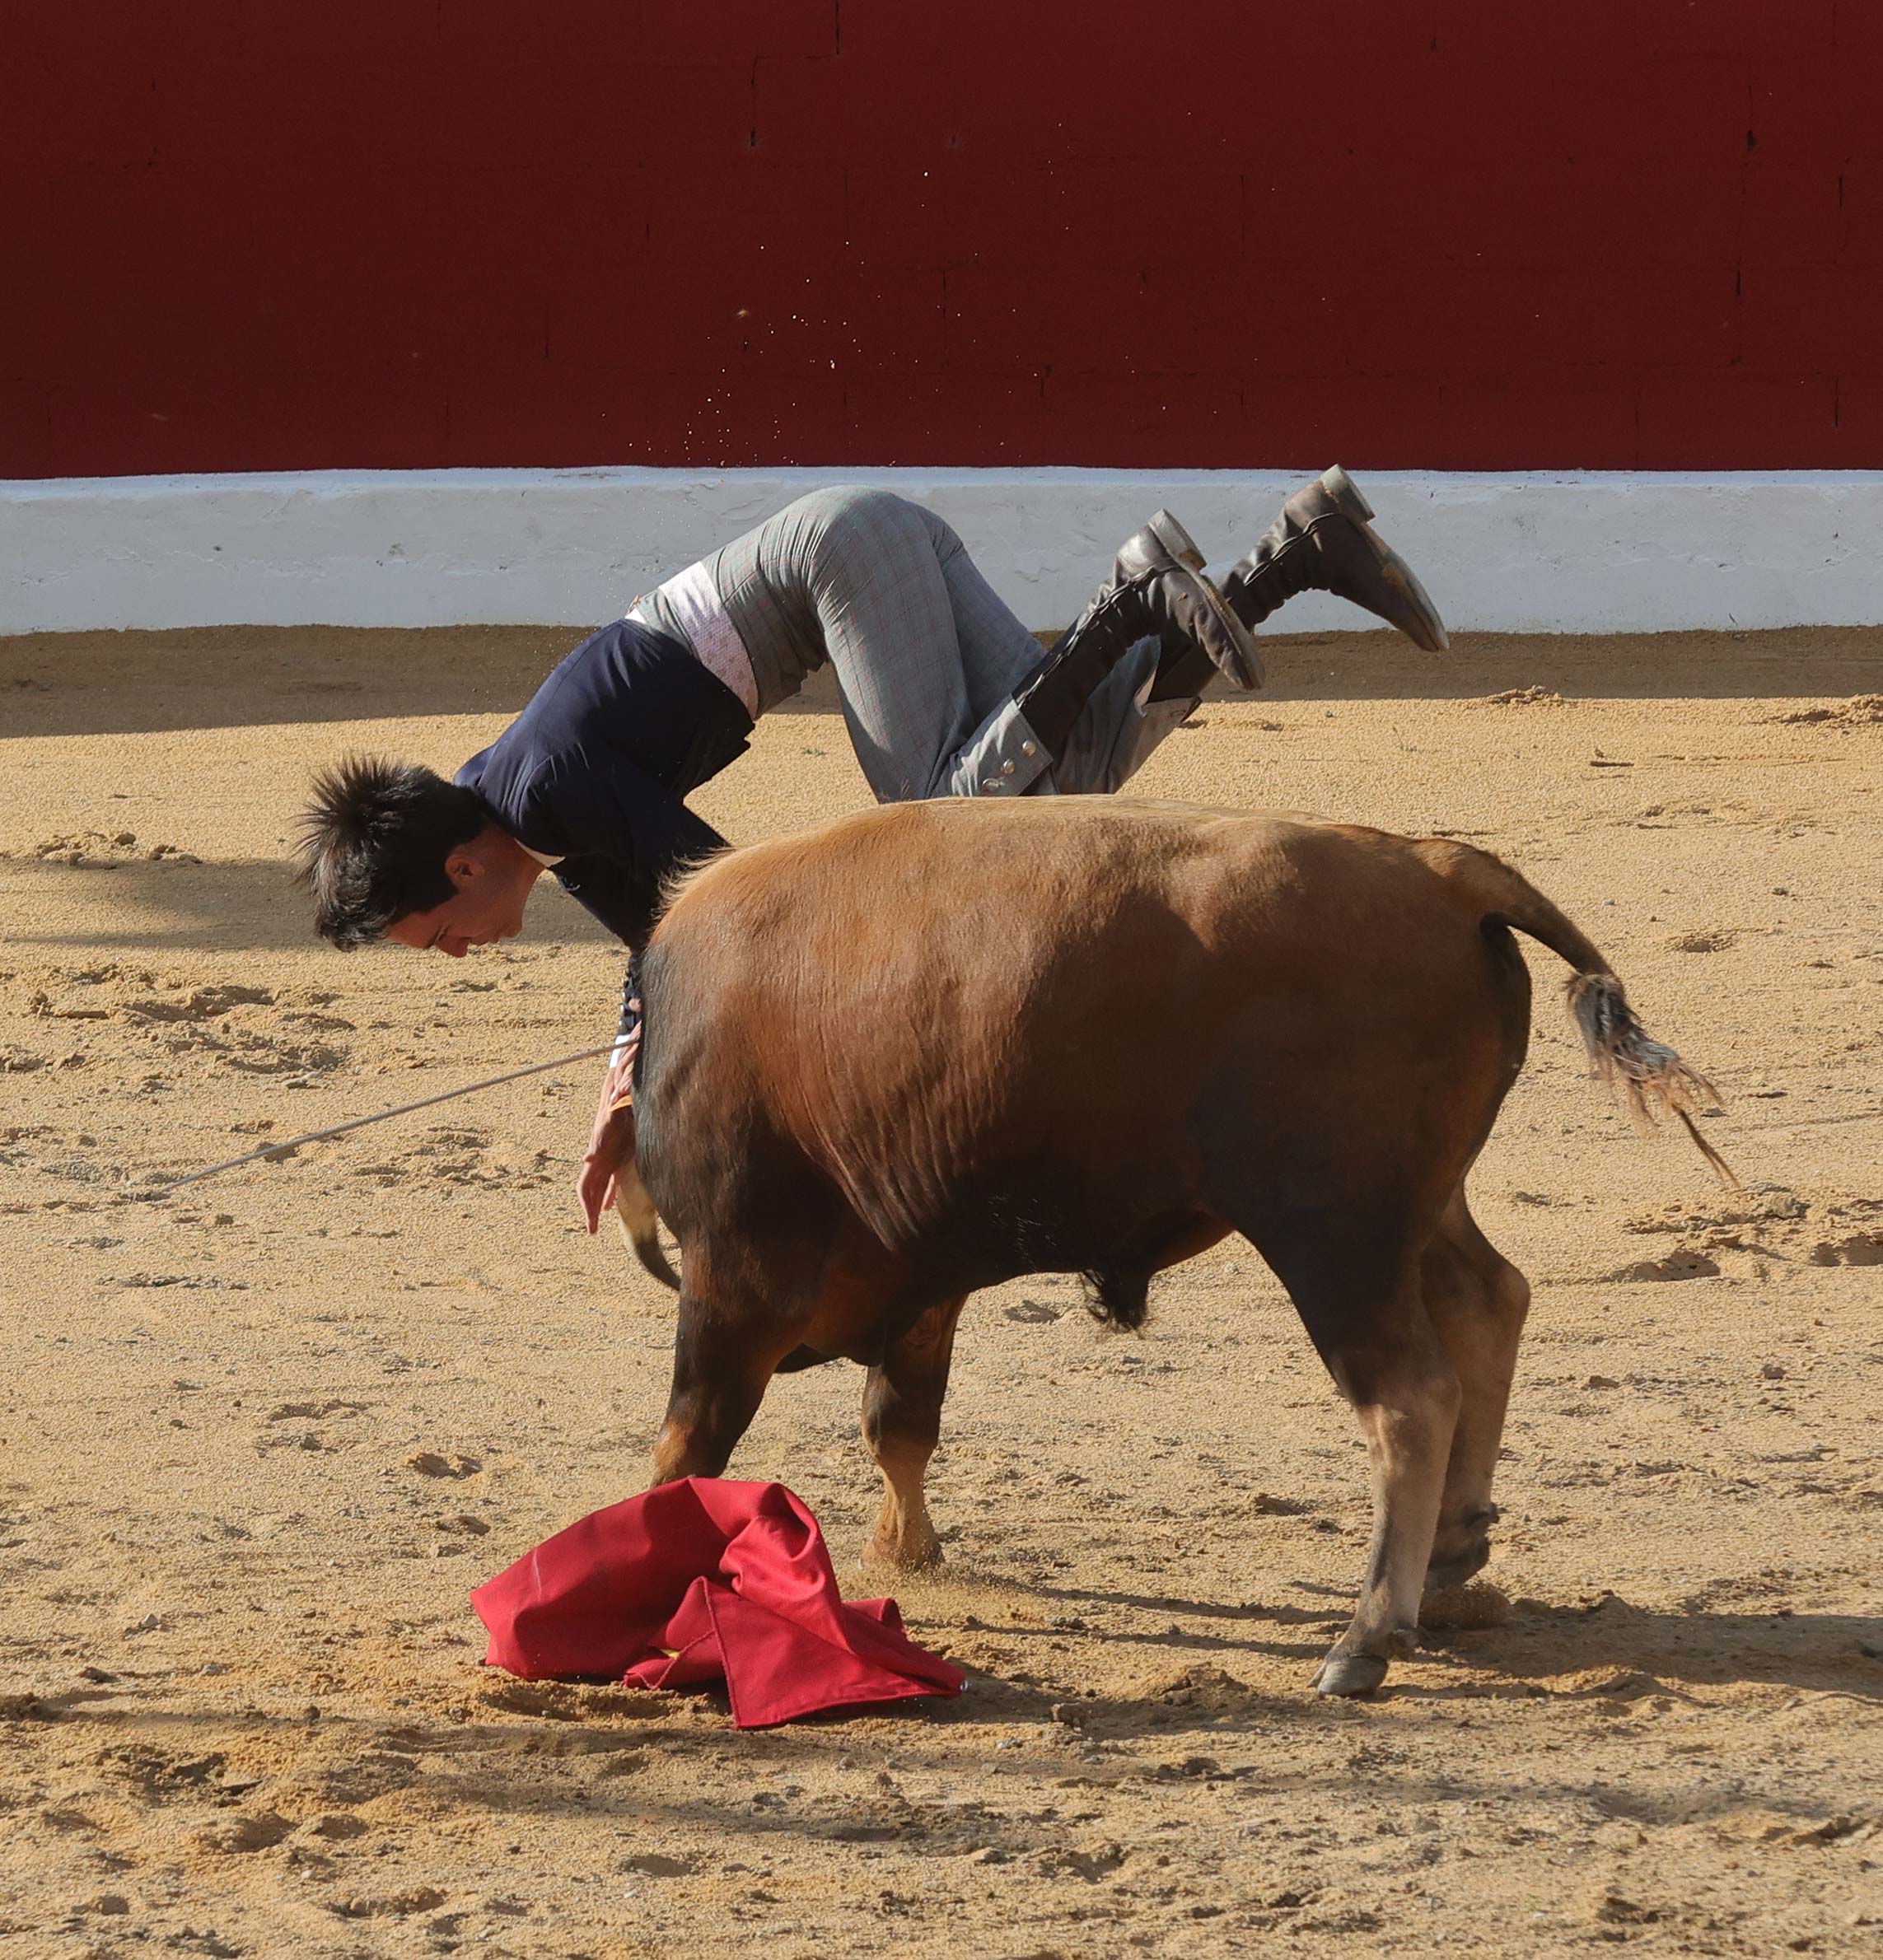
[(555, 1748), (179, 904), (1644, 1651), (229, 676)]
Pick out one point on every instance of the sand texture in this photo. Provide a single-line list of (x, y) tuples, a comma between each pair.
[(260, 1438)]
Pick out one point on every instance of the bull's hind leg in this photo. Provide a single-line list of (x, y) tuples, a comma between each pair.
[(1362, 1307), (1407, 1398), (901, 1419), (1476, 1301)]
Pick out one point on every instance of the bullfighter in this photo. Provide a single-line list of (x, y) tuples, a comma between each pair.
[(945, 694)]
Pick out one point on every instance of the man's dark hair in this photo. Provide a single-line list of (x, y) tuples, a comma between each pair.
[(373, 843)]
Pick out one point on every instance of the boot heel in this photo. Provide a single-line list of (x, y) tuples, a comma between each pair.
[(1176, 540), (1346, 492)]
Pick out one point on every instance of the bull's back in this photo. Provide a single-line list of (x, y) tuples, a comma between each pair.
[(937, 1002), (969, 905)]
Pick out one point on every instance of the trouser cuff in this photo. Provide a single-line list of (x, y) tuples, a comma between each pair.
[(1006, 758)]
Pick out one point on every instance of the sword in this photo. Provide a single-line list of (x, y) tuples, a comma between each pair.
[(276, 1151)]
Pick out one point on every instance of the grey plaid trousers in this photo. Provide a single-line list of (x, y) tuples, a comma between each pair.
[(928, 658)]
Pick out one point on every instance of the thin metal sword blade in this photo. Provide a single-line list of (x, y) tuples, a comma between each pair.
[(359, 1122)]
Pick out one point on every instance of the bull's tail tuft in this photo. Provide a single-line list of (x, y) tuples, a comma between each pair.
[(640, 1224), (1652, 1075), (1118, 1296)]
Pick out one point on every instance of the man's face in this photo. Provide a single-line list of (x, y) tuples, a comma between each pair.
[(487, 905)]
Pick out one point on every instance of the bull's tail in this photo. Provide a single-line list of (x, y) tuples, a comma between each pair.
[(1652, 1075), (640, 1224)]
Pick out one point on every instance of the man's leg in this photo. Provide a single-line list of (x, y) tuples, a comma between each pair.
[(945, 692), (1157, 591), (918, 715), (1125, 672), (1123, 717)]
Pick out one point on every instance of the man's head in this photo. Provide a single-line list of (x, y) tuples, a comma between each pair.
[(392, 850)]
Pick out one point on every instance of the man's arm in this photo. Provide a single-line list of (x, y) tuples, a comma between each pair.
[(626, 895), (621, 835), (628, 835), (619, 879), (613, 1132)]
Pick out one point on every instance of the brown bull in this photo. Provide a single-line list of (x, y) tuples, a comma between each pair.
[(943, 1044)]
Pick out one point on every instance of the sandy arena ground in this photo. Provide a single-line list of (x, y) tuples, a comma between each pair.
[(262, 1438)]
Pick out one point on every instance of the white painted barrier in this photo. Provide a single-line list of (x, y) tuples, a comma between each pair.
[(1568, 551)]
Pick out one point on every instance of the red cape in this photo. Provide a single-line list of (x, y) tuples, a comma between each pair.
[(697, 1579)]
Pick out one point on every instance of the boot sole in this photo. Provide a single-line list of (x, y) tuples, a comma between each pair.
[(1169, 533), (1346, 494), (1248, 671), (1435, 638)]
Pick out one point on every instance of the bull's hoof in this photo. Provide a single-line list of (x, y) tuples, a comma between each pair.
[(1442, 1574), (903, 1556), (1350, 1675)]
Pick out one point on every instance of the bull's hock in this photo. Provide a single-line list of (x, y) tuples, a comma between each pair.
[(1584, 551), (941, 1045)]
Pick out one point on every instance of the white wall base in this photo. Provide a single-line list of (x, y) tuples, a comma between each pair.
[(1569, 552)]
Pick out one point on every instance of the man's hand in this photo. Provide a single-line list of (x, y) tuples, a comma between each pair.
[(613, 1136)]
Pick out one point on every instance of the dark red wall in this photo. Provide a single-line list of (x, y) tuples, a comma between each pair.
[(245, 234)]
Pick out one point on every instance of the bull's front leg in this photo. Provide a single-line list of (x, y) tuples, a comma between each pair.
[(723, 1358), (902, 1420)]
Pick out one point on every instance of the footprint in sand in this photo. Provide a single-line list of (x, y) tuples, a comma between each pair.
[(1861, 711), (335, 1827), (1859, 1249), (204, 1004), (99, 851), (258, 1833), (1530, 696), (1681, 1264)]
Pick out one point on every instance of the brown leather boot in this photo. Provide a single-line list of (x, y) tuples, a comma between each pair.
[(1323, 542)]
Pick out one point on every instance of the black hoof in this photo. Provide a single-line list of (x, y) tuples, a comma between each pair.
[(1350, 1675)]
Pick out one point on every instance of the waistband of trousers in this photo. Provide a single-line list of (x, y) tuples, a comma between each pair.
[(692, 602)]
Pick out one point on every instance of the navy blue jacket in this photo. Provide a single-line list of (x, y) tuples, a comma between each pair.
[(594, 769)]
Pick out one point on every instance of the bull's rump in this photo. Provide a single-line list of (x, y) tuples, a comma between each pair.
[(1081, 1012)]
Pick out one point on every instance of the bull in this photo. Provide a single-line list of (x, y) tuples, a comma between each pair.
[(941, 1045)]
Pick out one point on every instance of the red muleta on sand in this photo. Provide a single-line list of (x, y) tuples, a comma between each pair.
[(697, 1579)]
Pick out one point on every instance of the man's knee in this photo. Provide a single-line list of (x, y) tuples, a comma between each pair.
[(852, 510)]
